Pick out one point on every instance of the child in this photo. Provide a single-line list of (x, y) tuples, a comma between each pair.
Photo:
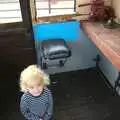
[(36, 102)]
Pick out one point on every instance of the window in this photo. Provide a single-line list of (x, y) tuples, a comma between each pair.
[(54, 7), (10, 11)]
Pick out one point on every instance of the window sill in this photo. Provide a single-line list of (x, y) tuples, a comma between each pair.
[(55, 18)]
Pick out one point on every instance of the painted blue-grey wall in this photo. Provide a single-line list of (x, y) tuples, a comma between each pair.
[(105, 65), (83, 53), (67, 30), (83, 50), (108, 69)]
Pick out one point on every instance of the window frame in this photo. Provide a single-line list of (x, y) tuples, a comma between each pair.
[(50, 9)]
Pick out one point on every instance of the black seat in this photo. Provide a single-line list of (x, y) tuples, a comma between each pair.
[(52, 49)]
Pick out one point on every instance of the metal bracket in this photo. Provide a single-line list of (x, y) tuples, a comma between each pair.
[(117, 85), (97, 60)]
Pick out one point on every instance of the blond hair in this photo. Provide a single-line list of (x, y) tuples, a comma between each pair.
[(32, 75)]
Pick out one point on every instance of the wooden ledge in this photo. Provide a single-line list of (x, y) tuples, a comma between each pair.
[(55, 18), (106, 40)]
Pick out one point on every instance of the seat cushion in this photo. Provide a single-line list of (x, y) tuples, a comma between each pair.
[(55, 48)]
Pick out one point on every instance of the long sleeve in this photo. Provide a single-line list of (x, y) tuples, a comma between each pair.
[(25, 110), (49, 111)]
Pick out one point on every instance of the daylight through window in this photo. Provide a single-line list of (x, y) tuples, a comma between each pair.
[(10, 11)]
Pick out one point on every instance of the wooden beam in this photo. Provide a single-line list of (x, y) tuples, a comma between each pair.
[(26, 15), (27, 20)]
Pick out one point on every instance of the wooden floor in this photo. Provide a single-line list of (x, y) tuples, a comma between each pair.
[(78, 95)]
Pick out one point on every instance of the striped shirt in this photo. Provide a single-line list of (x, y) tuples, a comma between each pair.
[(34, 108)]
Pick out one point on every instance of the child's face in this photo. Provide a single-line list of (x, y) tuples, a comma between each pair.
[(36, 90)]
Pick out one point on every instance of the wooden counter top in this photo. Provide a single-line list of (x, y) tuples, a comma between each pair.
[(107, 40)]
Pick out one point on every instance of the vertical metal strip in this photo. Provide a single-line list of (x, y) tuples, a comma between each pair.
[(49, 5), (74, 5)]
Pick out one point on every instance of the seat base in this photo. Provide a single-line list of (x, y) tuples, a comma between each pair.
[(54, 49)]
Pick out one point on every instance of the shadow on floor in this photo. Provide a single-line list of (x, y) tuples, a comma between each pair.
[(78, 95)]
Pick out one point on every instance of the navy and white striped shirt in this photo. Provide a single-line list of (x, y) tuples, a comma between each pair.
[(34, 108)]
